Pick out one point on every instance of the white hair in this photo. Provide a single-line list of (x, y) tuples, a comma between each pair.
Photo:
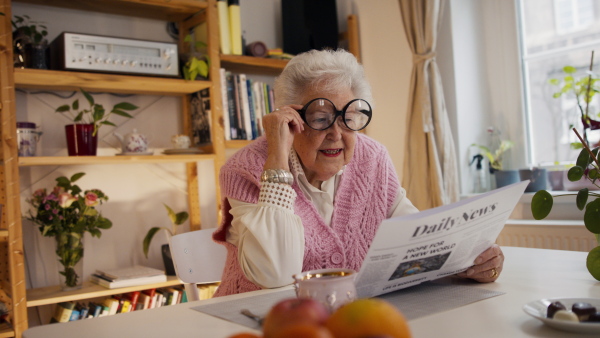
[(331, 70)]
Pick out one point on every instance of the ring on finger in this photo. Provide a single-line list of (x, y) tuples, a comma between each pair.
[(277, 109), (494, 273)]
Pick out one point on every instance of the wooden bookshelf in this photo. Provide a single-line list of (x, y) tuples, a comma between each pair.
[(126, 84), (250, 64), (3, 234), (167, 10), (53, 294), (80, 160)]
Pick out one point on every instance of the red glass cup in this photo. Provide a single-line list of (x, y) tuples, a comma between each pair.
[(80, 140)]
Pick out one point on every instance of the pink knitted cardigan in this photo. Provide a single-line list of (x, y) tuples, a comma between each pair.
[(364, 197)]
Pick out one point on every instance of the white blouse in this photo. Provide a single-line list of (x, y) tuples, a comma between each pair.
[(270, 237)]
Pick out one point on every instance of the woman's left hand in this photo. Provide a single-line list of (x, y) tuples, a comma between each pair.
[(488, 266)]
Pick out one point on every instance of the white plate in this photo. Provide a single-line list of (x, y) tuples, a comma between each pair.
[(539, 308), (136, 154), (182, 151)]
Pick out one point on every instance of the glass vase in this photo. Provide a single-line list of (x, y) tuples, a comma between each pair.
[(69, 249), (80, 140)]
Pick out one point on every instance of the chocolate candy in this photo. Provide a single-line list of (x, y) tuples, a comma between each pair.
[(553, 307), (583, 310), (566, 315), (594, 317)]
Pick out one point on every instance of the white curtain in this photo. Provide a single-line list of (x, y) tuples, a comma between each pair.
[(430, 174)]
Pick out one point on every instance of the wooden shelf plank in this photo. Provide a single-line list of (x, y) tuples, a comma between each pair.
[(252, 64), (167, 10), (64, 80), (53, 294), (80, 160), (3, 234), (6, 331)]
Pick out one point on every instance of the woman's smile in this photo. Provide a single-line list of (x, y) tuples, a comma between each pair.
[(331, 152)]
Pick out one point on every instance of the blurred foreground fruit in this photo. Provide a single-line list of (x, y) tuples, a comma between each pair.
[(370, 317), (303, 331), (294, 311), (245, 335)]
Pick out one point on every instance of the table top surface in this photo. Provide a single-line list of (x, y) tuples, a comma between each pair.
[(529, 275)]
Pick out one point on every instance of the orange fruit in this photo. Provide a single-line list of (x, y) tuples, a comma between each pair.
[(369, 317), (303, 330), (245, 335)]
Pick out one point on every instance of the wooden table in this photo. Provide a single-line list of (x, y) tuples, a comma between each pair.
[(529, 275)]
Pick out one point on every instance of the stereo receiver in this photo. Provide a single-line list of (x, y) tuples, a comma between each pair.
[(93, 53)]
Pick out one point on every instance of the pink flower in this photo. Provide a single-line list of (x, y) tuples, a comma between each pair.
[(91, 199), (65, 199)]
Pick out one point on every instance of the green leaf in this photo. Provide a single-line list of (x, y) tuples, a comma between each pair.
[(583, 159), (79, 117), (181, 217), (541, 204), (593, 173), (63, 182), (569, 69), (125, 106), (76, 104), (591, 217), (121, 113), (77, 176), (171, 214), (582, 197), (149, 236), (554, 82), (63, 108), (88, 97), (108, 123), (575, 174)]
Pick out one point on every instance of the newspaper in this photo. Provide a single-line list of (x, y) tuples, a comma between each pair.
[(435, 243)]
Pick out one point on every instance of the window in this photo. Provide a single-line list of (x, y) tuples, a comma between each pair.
[(555, 34)]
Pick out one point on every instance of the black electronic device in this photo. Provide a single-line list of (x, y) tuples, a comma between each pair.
[(309, 24)]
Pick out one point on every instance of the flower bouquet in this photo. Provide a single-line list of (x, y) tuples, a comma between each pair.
[(66, 213)]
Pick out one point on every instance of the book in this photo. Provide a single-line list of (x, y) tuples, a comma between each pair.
[(74, 315), (231, 106), (95, 310), (62, 313), (143, 301), (151, 293), (115, 284), (235, 26), (251, 107), (224, 34), (224, 102), (83, 310), (238, 108), (136, 271), (246, 118), (201, 117), (133, 298), (112, 304)]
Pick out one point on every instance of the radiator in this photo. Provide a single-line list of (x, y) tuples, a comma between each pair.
[(547, 234)]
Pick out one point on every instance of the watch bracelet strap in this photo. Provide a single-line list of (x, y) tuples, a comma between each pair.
[(277, 176)]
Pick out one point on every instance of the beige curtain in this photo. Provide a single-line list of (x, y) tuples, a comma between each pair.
[(430, 174)]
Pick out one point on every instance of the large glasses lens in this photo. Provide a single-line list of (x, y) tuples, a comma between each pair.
[(319, 114), (358, 114)]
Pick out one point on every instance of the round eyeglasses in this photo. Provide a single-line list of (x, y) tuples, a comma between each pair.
[(321, 113)]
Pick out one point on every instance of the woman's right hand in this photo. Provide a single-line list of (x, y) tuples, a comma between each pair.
[(280, 126)]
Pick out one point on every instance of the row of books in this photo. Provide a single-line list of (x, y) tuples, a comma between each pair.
[(245, 102), (127, 302)]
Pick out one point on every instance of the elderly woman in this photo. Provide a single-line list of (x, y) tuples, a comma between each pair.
[(311, 193)]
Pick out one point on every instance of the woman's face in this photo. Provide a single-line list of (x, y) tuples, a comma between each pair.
[(325, 152)]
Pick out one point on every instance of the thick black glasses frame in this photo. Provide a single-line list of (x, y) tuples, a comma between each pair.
[(341, 113)]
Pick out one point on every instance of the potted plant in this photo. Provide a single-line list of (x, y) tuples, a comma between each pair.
[(66, 213), (82, 136), (586, 168), (29, 41), (194, 61), (503, 177), (176, 220)]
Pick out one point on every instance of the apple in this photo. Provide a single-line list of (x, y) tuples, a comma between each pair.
[(294, 311)]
